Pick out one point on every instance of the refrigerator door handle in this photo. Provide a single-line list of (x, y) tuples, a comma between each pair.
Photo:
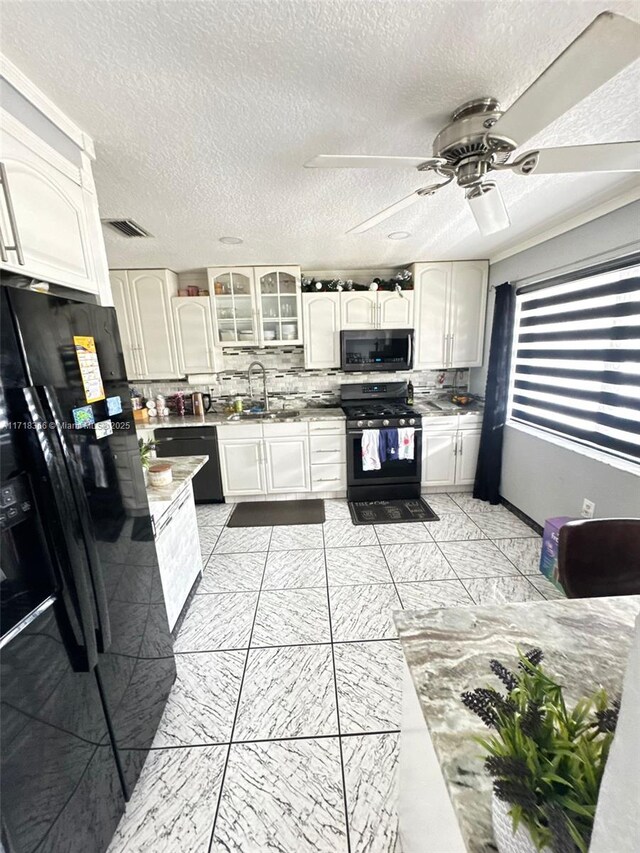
[(75, 593), (103, 628)]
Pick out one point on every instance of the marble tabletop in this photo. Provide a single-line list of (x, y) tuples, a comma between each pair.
[(218, 418), (184, 469), (585, 642)]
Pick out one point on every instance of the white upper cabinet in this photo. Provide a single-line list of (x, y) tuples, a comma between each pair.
[(46, 214), (256, 306), (119, 292), (467, 308), (369, 309), (395, 311), (278, 291), (321, 322), (143, 307), (193, 323), (359, 309), (232, 292), (49, 220), (450, 305)]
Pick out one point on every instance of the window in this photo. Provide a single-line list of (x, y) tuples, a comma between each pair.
[(576, 362)]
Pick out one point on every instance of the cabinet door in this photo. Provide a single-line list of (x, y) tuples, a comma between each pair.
[(431, 283), (287, 464), (395, 311), (438, 458), (232, 291), (241, 466), (321, 317), (359, 309), (194, 334), (150, 293), (119, 292), (278, 292), (467, 307), (49, 208), (467, 456)]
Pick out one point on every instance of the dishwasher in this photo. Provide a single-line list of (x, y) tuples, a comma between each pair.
[(196, 441)]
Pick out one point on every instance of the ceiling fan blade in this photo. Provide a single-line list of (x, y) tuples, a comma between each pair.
[(488, 208), (363, 161), (605, 47), (609, 157), (407, 201)]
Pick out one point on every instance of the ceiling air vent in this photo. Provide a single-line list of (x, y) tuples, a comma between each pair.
[(127, 227)]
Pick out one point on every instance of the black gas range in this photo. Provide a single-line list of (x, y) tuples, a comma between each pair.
[(375, 408)]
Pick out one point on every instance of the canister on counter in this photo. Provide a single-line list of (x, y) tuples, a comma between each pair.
[(160, 474)]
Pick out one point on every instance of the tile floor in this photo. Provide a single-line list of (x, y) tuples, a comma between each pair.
[(282, 730)]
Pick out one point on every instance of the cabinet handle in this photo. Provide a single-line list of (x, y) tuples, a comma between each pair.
[(445, 348), (326, 451), (326, 479), (17, 245), (461, 439), (455, 447), (451, 338)]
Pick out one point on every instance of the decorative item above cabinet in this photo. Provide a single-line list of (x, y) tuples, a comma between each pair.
[(256, 306)]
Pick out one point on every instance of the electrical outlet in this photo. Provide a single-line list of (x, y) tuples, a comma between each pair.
[(588, 508)]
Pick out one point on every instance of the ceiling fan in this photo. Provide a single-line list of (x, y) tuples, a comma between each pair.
[(481, 138)]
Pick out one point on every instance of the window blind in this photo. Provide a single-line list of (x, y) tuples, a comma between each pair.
[(576, 365)]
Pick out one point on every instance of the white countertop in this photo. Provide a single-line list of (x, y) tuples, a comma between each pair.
[(184, 469)]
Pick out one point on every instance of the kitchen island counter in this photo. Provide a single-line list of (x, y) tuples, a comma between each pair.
[(173, 511), (184, 469), (585, 643)]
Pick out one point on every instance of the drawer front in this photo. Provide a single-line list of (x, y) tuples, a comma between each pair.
[(440, 422), (327, 427), (470, 421), (329, 477), (328, 449), (240, 431), (279, 430)]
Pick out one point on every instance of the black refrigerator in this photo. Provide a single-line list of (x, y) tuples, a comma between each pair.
[(86, 653)]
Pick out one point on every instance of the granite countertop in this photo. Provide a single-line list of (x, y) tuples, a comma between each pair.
[(585, 642), (219, 418), (184, 469), (443, 407)]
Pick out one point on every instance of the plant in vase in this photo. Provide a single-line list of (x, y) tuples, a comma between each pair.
[(546, 761), (147, 454)]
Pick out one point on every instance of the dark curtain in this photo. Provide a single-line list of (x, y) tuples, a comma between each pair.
[(487, 482)]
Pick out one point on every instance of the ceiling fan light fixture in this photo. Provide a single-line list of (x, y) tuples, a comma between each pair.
[(488, 208), (398, 235)]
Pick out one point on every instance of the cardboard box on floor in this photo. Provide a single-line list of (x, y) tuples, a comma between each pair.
[(549, 555)]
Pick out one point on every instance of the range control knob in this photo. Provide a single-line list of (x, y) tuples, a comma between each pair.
[(412, 420), (360, 423), (369, 423), (401, 421), (385, 423)]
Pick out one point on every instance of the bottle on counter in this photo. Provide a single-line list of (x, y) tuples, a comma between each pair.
[(410, 393), (237, 405)]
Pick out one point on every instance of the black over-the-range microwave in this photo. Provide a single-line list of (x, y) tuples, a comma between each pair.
[(368, 350)]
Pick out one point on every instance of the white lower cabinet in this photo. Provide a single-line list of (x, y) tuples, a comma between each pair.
[(282, 458), (449, 455), (286, 463)]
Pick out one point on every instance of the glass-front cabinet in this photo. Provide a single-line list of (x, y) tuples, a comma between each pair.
[(279, 305), (256, 306)]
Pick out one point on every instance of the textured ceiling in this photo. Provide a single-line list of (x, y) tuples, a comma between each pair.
[(204, 112)]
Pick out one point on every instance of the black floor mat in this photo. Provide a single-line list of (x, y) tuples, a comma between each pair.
[(391, 512), (268, 513)]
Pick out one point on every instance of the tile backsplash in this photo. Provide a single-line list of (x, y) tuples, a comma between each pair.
[(289, 384)]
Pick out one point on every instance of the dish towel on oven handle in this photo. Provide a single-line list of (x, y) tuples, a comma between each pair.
[(370, 450), (388, 445), (406, 443)]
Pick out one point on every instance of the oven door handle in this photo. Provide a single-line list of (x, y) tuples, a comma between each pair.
[(360, 431)]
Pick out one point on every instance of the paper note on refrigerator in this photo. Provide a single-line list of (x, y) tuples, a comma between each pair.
[(89, 368)]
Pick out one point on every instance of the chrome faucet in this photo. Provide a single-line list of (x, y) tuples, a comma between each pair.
[(264, 382)]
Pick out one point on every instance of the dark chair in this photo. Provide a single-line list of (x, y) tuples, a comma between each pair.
[(600, 556)]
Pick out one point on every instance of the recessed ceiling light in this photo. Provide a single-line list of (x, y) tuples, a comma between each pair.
[(233, 241), (398, 235)]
